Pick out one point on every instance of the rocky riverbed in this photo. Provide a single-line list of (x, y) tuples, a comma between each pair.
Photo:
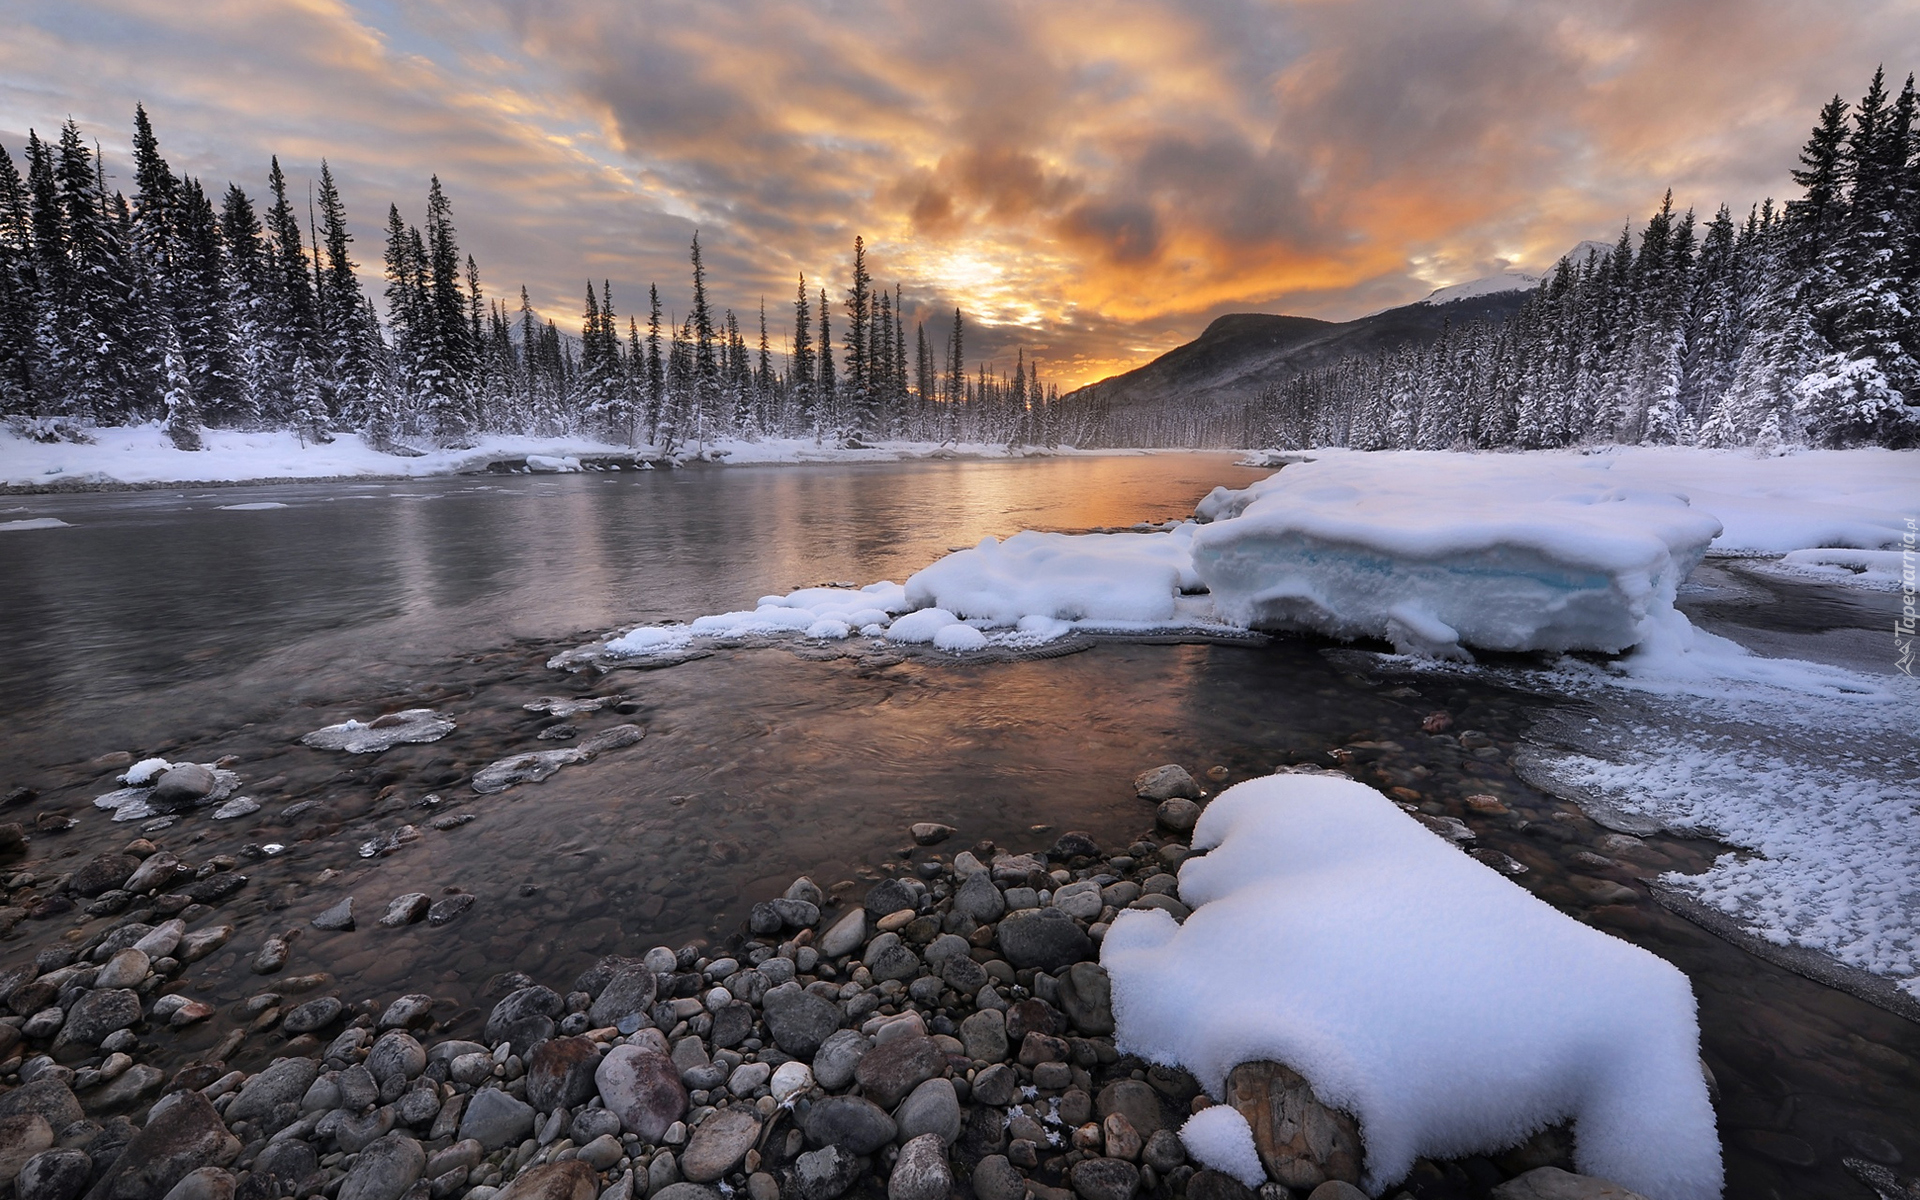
[(947, 1031)]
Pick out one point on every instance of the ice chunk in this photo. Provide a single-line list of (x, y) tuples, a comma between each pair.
[(1449, 1010), (355, 737), (1437, 551), (35, 523), (1219, 1137)]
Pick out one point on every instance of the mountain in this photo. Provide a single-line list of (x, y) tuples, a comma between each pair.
[(1241, 354)]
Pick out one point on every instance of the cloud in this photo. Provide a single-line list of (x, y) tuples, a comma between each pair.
[(1090, 182)]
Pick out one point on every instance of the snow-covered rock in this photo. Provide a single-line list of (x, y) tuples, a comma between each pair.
[(1435, 552), (1335, 934)]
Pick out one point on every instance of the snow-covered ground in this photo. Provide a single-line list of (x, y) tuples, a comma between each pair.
[(1335, 934), (142, 454)]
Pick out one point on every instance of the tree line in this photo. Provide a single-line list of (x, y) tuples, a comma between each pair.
[(1795, 326), (177, 307)]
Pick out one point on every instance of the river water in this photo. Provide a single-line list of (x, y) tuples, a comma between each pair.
[(201, 624)]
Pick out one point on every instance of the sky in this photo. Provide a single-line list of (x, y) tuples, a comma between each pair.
[(1090, 183)]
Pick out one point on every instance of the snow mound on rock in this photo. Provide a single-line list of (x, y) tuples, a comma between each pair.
[(1449, 1010), (1437, 551), (1219, 1137), (1069, 577)]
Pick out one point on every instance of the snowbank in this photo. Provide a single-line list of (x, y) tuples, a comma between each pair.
[(1435, 551), (1449, 1010), (143, 454), (1070, 577)]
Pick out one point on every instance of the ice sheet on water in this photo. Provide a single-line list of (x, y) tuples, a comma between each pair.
[(1333, 933), (35, 523), (371, 737)]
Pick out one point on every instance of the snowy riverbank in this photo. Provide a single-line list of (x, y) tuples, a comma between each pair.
[(143, 456)]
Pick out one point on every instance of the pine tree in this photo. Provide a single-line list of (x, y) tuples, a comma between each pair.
[(656, 371), (859, 323), (248, 306), (182, 420), (293, 332), (706, 372), (345, 345), (800, 373), (828, 404)]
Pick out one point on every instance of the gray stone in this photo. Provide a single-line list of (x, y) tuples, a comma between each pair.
[(890, 896), (458, 1157), (631, 990), (408, 1012), (984, 1034), (160, 869), (1178, 814), (641, 1087), (1135, 1101), (888, 957), (1551, 1183), (494, 1118), (853, 1123), (48, 1096), (718, 1144), (930, 833), (799, 1021), (187, 783), (1105, 1179), (356, 1133), (125, 969), (934, 1108), (385, 1169), (207, 1183), (102, 873), (1302, 1142), (1080, 899), (839, 1056), (1086, 996), (162, 941), (1217, 1185), (396, 1053), (279, 1169), (1164, 1151), (181, 1136), (825, 1173), (447, 908), (963, 975), (995, 1179), (312, 1016), (338, 917), (995, 1085), (921, 1172), (617, 737), (99, 1013), (1334, 1189), (844, 936), (419, 1106), (407, 909), (129, 1089), (980, 899), (888, 1073), (1165, 783), (685, 1191), (22, 1136), (590, 1123), (602, 1152), (524, 1017), (1044, 938), (53, 1175), (560, 1073), (357, 1088)]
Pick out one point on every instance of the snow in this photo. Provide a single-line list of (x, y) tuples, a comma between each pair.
[(1335, 934), (144, 772), (1219, 1137), (256, 506), (1433, 551), (143, 454), (1506, 281), (1872, 568), (35, 523), (1069, 577)]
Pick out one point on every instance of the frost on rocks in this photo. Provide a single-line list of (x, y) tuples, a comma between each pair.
[(355, 737), (1497, 553), (1381, 951)]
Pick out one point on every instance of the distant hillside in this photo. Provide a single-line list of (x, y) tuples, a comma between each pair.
[(1190, 394)]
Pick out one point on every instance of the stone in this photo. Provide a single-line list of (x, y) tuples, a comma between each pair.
[(408, 1012), (1105, 1178), (887, 957), (1551, 1183), (799, 1021), (102, 873), (183, 1135), (979, 899), (124, 970), (407, 909), (845, 935), (385, 1169), (338, 917), (570, 1180), (419, 1106), (641, 1087), (47, 1096), (789, 1079), (53, 1175), (396, 1054), (159, 870), (1135, 1101), (187, 783), (215, 887), (202, 942), (22, 1136), (356, 1133), (1217, 1185), (995, 1179), (1165, 783), (616, 737), (930, 833), (519, 1016), (825, 1173), (887, 1073), (839, 1057), (890, 896), (1074, 844), (984, 1035), (448, 908), (207, 1183), (99, 1013), (1120, 1138), (356, 1088), (312, 1016), (533, 767), (933, 1107), (280, 1169), (921, 1172), (1178, 814), (560, 1073), (1044, 938), (1335, 1189), (1086, 997), (853, 1123), (631, 990), (718, 1144), (1302, 1142), (496, 1118), (685, 1191)]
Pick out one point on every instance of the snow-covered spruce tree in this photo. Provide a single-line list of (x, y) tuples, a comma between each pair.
[(19, 314), (346, 351), (656, 370), (293, 330), (182, 419), (706, 368), (801, 387), (859, 393), (247, 304)]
